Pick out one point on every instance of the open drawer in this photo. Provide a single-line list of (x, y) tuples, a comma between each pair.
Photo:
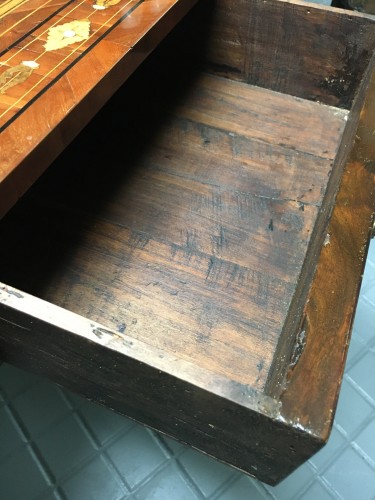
[(194, 257)]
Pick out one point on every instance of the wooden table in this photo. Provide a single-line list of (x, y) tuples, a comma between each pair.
[(49, 91), (193, 259)]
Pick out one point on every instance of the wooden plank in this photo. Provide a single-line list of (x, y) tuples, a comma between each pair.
[(312, 385), (209, 412), (190, 256), (30, 139), (206, 265), (291, 47), (259, 114)]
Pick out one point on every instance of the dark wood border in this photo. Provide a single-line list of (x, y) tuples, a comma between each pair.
[(313, 383)]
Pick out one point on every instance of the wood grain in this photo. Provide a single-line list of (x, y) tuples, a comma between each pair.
[(192, 257), (186, 223), (154, 387), (313, 384), (294, 48)]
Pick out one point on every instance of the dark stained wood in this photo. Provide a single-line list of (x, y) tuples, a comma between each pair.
[(187, 261), (312, 385), (199, 236), (230, 421), (291, 47), (295, 321)]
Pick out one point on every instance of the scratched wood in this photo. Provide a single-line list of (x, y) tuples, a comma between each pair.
[(256, 41), (194, 261), (181, 253)]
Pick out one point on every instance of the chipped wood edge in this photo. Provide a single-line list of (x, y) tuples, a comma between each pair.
[(313, 381), (228, 421), (91, 331)]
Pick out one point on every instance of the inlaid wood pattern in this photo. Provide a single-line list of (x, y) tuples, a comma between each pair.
[(41, 114)]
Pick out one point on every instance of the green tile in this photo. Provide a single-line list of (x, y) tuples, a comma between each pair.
[(136, 455), (95, 481), (40, 407), (208, 474), (363, 374), (352, 410), (168, 484), (65, 446), (294, 484), (14, 381), (317, 492), (336, 444), (368, 278), (356, 346), (51, 494), (103, 422), (366, 442), (10, 437), (369, 294), (75, 400), (364, 318), (21, 477), (243, 488), (351, 476), (174, 447)]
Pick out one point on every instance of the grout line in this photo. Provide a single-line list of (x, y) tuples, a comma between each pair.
[(357, 431), (149, 477), (360, 390), (188, 479), (368, 301), (224, 487), (262, 488), (363, 455), (174, 459), (31, 445), (7, 397), (320, 481), (328, 485), (159, 438), (100, 448)]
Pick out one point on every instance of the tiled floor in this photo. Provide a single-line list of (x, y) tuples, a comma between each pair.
[(54, 445)]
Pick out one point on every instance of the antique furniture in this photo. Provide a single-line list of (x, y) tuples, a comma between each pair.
[(194, 257)]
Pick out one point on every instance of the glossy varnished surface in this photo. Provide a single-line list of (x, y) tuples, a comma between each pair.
[(42, 113), (191, 245)]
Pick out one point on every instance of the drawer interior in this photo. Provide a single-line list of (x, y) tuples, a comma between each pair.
[(184, 221), (189, 217)]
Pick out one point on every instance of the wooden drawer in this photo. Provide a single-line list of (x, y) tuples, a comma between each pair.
[(194, 257)]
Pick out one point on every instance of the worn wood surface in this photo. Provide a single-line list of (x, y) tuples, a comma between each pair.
[(230, 421), (294, 48), (292, 338), (312, 385), (184, 251), (41, 115), (268, 436), (191, 244)]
